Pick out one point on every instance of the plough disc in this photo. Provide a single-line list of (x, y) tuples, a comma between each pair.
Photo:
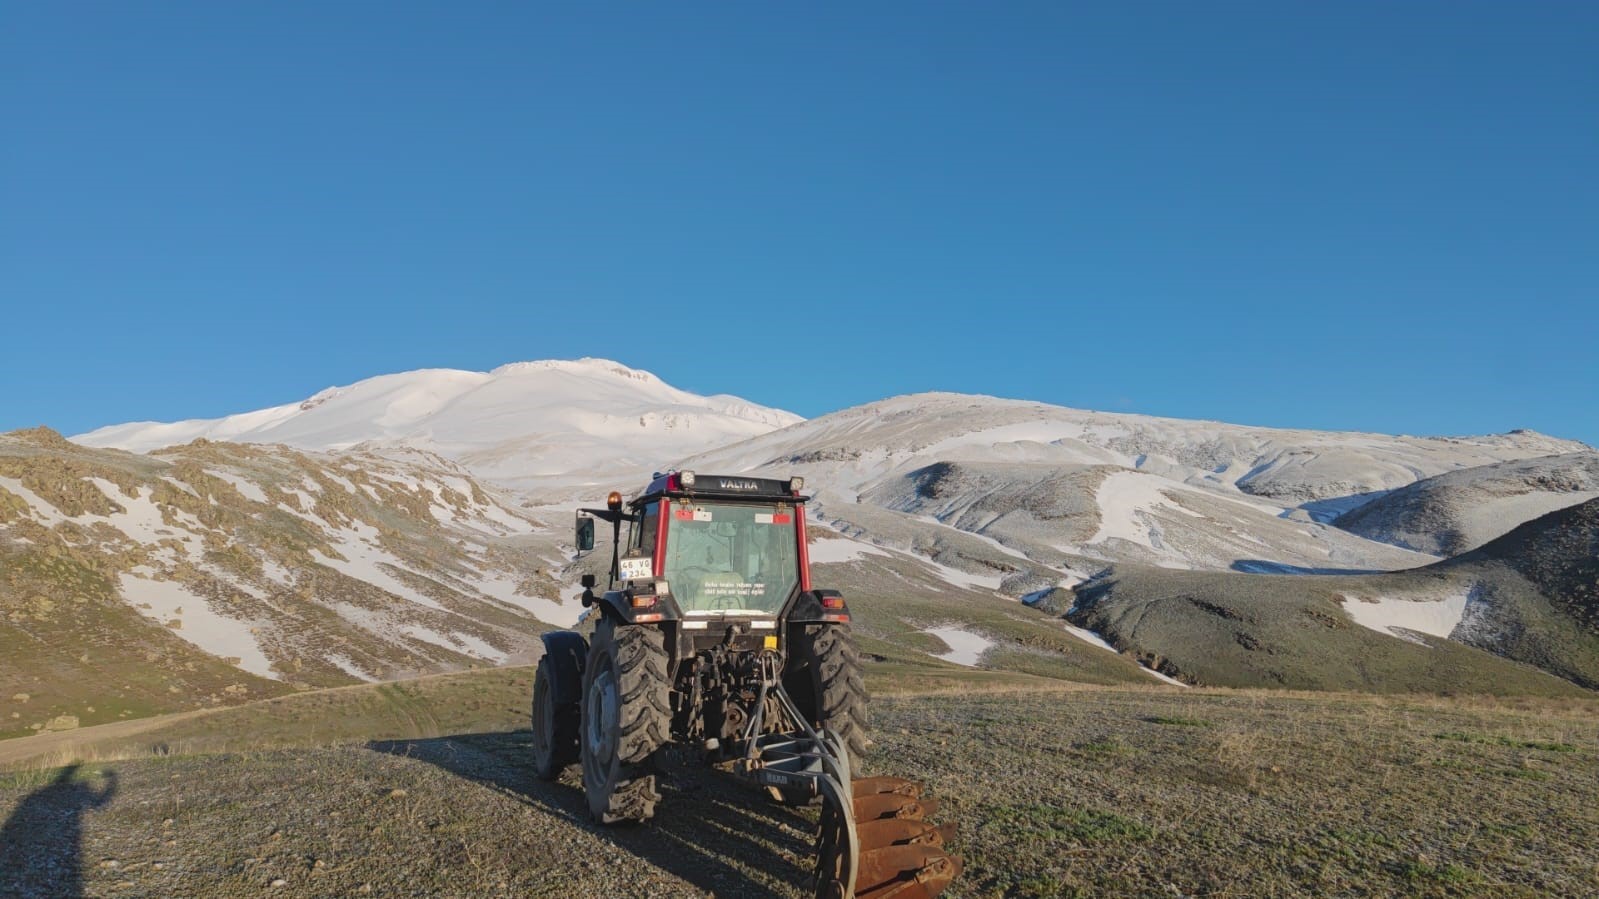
[(883, 837)]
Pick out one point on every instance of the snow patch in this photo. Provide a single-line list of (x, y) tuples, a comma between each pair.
[(501, 586), (364, 560), (455, 642), (1094, 639), (46, 513), (140, 521), (181, 486), (959, 578), (1126, 500), (245, 487), (200, 625), (1089, 637), (1391, 615), (496, 514), (307, 507), (833, 550), (348, 666), (1163, 677), (275, 574), (346, 483), (965, 647)]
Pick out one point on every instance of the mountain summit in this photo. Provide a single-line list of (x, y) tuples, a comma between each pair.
[(525, 420)]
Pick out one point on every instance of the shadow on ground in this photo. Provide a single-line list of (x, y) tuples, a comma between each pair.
[(41, 844), (704, 818)]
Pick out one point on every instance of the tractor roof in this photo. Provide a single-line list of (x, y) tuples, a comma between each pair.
[(711, 486)]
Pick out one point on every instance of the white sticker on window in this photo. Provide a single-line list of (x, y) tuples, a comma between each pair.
[(637, 567), (733, 589), (763, 518), (702, 514)]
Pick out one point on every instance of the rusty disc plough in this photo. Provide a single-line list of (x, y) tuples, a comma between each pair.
[(875, 838), (882, 845)]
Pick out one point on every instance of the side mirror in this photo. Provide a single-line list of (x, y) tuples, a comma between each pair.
[(585, 533), (588, 581)]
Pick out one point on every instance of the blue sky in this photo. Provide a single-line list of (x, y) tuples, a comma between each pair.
[(1347, 215)]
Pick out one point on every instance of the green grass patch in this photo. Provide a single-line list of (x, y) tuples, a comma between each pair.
[(1544, 745), (1519, 831), (1177, 722), (1420, 872), (1355, 837), (1104, 746)]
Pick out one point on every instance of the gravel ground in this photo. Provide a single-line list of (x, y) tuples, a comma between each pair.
[(1096, 792)]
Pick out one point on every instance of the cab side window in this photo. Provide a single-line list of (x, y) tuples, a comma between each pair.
[(644, 532)]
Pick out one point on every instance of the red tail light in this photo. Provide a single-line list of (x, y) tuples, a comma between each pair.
[(832, 602)]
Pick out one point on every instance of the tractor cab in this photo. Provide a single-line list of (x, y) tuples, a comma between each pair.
[(706, 551), (724, 558), (725, 546)]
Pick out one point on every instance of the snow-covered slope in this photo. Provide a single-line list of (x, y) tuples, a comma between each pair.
[(1291, 466), (1461, 510), (567, 420), (1530, 596), (213, 571), (1063, 485)]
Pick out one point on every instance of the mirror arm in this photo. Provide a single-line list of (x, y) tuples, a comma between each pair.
[(616, 551)]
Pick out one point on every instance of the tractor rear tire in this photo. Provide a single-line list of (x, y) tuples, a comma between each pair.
[(555, 727), (626, 717), (824, 680)]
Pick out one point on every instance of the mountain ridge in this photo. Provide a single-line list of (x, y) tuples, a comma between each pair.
[(942, 508), (522, 420)]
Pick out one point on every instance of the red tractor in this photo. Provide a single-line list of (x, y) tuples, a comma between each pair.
[(711, 636)]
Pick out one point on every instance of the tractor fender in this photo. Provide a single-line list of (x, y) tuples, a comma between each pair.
[(808, 608), (566, 652), (618, 606)]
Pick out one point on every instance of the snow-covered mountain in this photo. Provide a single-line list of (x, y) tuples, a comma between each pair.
[(1062, 486), (937, 510), (1289, 466), (528, 422), (1056, 486)]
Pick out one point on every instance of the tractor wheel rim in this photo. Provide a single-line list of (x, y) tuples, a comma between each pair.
[(602, 702), (542, 718)]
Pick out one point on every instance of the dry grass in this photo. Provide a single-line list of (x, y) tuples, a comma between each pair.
[(1248, 794), (1063, 791)]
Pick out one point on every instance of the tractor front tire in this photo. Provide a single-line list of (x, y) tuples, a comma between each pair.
[(626, 717), (555, 727)]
